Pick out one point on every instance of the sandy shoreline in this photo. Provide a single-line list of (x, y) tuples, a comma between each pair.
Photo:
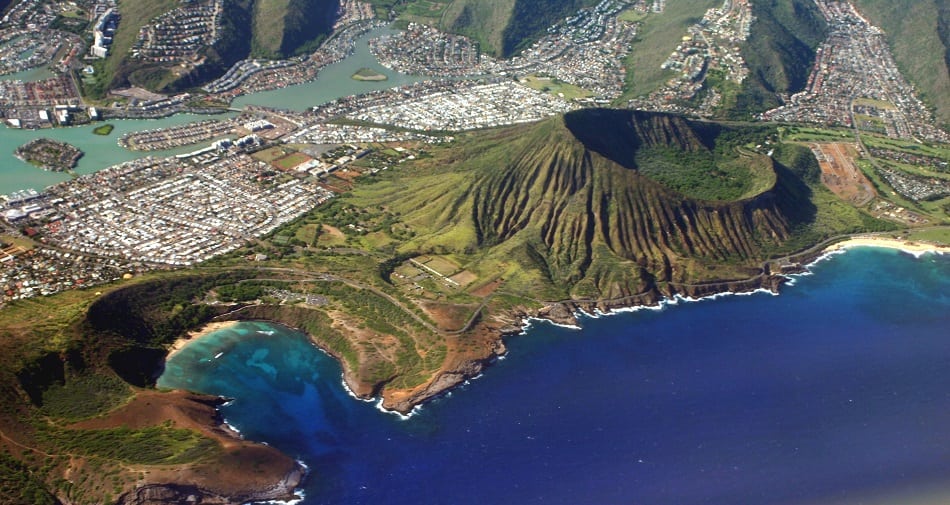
[(192, 336), (910, 246)]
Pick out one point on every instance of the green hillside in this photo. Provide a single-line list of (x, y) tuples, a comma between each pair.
[(504, 27), (602, 204), (657, 38), (780, 52), (260, 28), (919, 35), (114, 71), (286, 27)]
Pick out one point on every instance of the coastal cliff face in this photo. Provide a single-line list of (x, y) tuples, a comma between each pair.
[(168, 494)]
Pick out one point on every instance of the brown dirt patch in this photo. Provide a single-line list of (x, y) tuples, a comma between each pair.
[(448, 316), (151, 408), (464, 278), (841, 175), (487, 289), (241, 467), (333, 231)]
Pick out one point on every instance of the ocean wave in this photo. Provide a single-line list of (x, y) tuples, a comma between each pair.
[(402, 417), (919, 254), (231, 427), (346, 387), (822, 257), (529, 323), (661, 305), (299, 497)]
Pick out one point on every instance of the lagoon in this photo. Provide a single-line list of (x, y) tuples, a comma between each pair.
[(334, 81), (102, 151)]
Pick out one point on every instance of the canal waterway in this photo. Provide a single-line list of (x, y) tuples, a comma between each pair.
[(333, 82)]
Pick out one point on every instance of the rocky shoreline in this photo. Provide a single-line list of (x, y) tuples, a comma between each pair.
[(515, 322), (505, 325), (565, 312), (158, 494)]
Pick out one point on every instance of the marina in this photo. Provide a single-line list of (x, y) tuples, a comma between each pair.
[(102, 151)]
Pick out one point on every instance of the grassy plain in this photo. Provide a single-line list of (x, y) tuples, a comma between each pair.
[(291, 160), (908, 146), (272, 153), (808, 134), (424, 11), (871, 102), (937, 235), (556, 87), (632, 16)]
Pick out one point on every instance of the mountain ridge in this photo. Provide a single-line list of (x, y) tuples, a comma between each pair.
[(258, 28), (573, 210), (504, 27)]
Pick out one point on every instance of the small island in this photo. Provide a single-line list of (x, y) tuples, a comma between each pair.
[(103, 130), (49, 154), (368, 74)]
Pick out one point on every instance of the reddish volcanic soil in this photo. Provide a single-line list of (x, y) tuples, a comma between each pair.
[(240, 468)]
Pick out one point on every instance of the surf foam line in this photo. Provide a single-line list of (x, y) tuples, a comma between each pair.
[(660, 306), (232, 428), (299, 497), (299, 494), (529, 323), (378, 401)]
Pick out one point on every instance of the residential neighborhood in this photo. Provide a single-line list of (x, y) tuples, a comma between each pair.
[(855, 82)]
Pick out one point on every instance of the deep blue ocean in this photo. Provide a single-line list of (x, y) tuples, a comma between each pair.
[(835, 392)]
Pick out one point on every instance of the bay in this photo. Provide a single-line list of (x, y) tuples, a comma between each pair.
[(835, 392)]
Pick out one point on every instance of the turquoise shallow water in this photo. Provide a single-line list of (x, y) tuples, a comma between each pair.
[(836, 392)]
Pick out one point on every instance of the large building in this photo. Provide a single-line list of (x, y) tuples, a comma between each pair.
[(103, 32)]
